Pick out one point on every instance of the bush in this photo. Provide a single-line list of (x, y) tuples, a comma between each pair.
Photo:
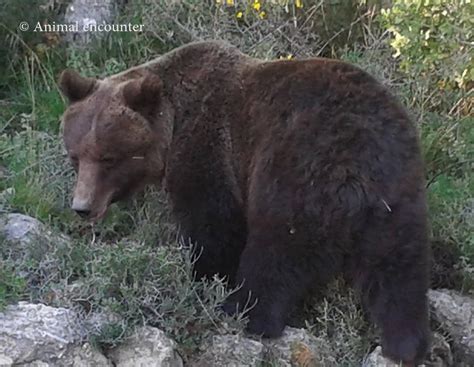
[(433, 39)]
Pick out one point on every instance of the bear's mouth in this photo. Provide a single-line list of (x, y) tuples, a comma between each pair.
[(96, 212), (99, 216)]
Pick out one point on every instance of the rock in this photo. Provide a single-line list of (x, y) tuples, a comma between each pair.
[(28, 238), (299, 348), (440, 353), (455, 313), (5, 361), (84, 356), (147, 347), (86, 13), (376, 359), (36, 335), (22, 228), (78, 356), (30, 332), (232, 351)]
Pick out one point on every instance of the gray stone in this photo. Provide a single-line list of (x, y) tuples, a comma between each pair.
[(88, 13), (376, 359), (28, 238), (30, 332), (148, 347), (34, 331), (232, 351), (455, 313), (297, 347), (20, 228), (5, 361), (36, 335), (83, 356), (77, 356), (440, 354)]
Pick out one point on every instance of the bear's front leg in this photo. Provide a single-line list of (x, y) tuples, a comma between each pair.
[(394, 279), (213, 223)]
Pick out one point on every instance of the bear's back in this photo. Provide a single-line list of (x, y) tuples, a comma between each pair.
[(326, 121)]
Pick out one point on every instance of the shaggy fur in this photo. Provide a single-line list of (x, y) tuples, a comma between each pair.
[(283, 174)]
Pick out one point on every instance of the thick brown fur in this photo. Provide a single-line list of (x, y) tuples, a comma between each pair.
[(282, 174)]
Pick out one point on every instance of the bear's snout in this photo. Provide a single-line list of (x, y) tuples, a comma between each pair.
[(91, 195), (81, 207)]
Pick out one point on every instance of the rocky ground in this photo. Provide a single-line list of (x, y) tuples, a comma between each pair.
[(41, 335)]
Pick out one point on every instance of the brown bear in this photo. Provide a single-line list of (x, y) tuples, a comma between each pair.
[(281, 173)]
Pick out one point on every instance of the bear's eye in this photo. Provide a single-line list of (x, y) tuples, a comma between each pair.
[(74, 161)]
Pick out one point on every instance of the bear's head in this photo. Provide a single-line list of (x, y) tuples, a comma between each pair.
[(116, 133)]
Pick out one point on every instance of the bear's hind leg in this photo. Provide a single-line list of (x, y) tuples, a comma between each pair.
[(393, 276)]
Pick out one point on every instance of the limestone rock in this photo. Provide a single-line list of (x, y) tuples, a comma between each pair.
[(148, 347), (83, 356), (456, 316), (376, 359), (298, 348), (27, 239), (77, 356), (22, 231), (232, 351), (30, 332), (440, 354)]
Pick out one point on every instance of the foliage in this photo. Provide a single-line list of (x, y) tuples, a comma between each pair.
[(434, 38), (12, 286), (19, 44)]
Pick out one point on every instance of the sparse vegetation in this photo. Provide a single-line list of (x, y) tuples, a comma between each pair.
[(132, 264)]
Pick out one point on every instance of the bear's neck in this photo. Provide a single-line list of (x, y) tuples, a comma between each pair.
[(196, 75), (203, 87)]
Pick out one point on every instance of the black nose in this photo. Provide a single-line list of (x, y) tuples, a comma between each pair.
[(83, 213)]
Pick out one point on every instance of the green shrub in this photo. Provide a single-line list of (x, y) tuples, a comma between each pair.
[(433, 38), (12, 286)]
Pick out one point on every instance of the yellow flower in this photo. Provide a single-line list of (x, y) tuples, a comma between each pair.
[(287, 57), (299, 3), (239, 15), (230, 2), (262, 14), (256, 5)]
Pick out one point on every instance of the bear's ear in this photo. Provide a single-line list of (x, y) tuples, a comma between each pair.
[(143, 94), (75, 87)]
